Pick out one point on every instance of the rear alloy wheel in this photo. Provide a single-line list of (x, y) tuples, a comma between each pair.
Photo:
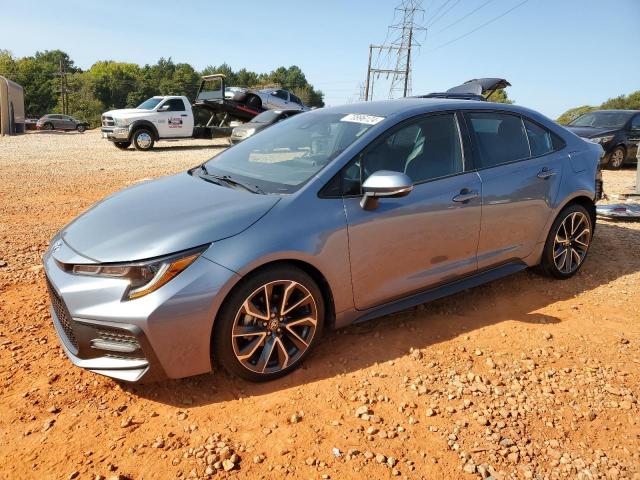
[(568, 242), (81, 128), (617, 158), (269, 324), (143, 139)]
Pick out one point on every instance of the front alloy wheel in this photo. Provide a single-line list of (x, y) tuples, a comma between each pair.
[(269, 324), (617, 158)]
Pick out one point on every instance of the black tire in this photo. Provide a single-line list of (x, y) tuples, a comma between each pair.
[(81, 128), (48, 126), (143, 139), (122, 145), (254, 102), (616, 158), (553, 250), (278, 279)]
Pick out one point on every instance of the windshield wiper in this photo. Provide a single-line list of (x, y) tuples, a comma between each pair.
[(230, 181)]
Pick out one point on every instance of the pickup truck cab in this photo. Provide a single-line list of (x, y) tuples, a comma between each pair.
[(158, 118)]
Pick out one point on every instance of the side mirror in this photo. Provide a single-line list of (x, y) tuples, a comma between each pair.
[(384, 183), (163, 108)]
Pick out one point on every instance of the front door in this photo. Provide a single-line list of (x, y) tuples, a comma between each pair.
[(634, 138), (429, 237), (174, 120), (520, 169), (279, 99)]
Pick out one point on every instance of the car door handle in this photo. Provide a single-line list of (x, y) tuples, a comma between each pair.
[(184, 115), (465, 195), (545, 173)]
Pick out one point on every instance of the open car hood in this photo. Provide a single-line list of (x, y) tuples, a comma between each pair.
[(480, 86), (476, 89)]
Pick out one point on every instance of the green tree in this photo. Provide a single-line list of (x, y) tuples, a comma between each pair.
[(622, 102), (500, 96), (82, 102), (573, 113)]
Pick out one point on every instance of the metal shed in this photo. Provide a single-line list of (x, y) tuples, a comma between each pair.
[(11, 107)]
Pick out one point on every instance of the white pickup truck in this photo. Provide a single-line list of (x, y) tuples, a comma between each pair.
[(158, 118)]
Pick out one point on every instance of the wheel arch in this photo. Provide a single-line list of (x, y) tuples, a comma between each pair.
[(143, 124), (584, 201), (309, 269)]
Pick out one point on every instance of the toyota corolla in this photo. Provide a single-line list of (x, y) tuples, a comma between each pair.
[(335, 216)]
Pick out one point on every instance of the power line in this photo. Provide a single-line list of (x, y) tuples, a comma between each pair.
[(442, 5), (478, 28), (464, 17), (434, 20)]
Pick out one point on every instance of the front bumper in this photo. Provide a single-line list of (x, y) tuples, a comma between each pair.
[(115, 134), (166, 334)]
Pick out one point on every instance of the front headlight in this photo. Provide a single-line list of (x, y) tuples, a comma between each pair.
[(601, 140), (249, 131), (143, 277), (121, 122)]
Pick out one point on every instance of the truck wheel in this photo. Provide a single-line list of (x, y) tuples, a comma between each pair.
[(254, 102), (122, 145), (143, 139), (81, 128)]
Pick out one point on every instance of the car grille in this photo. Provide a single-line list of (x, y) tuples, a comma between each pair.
[(108, 122), (62, 313)]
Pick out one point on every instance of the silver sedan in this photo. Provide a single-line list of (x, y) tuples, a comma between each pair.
[(335, 216)]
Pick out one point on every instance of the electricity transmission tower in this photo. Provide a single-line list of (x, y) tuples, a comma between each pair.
[(410, 14)]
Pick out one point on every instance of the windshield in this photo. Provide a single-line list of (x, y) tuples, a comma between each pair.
[(150, 104), (283, 157), (266, 117), (601, 120)]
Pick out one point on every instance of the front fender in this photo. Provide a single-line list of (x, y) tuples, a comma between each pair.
[(143, 123)]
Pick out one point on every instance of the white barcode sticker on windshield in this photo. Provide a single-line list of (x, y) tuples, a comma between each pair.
[(360, 118)]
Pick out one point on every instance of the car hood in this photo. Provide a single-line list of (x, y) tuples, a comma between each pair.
[(163, 216), (248, 125), (590, 132), (127, 112)]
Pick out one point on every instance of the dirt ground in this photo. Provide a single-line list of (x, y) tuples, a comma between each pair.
[(525, 377)]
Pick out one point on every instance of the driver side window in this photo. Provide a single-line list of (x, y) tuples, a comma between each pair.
[(424, 149)]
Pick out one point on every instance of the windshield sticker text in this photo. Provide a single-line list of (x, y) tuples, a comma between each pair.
[(360, 118)]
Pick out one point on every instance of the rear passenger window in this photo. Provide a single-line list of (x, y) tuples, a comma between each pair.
[(500, 138), (540, 139)]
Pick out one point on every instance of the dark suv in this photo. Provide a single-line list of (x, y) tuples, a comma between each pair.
[(618, 131)]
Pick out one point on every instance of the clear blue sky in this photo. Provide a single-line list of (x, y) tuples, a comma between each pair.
[(556, 53)]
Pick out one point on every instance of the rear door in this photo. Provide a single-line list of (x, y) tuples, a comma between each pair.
[(430, 236), (520, 169), (58, 122)]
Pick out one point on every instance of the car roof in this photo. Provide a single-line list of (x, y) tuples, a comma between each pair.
[(387, 108)]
